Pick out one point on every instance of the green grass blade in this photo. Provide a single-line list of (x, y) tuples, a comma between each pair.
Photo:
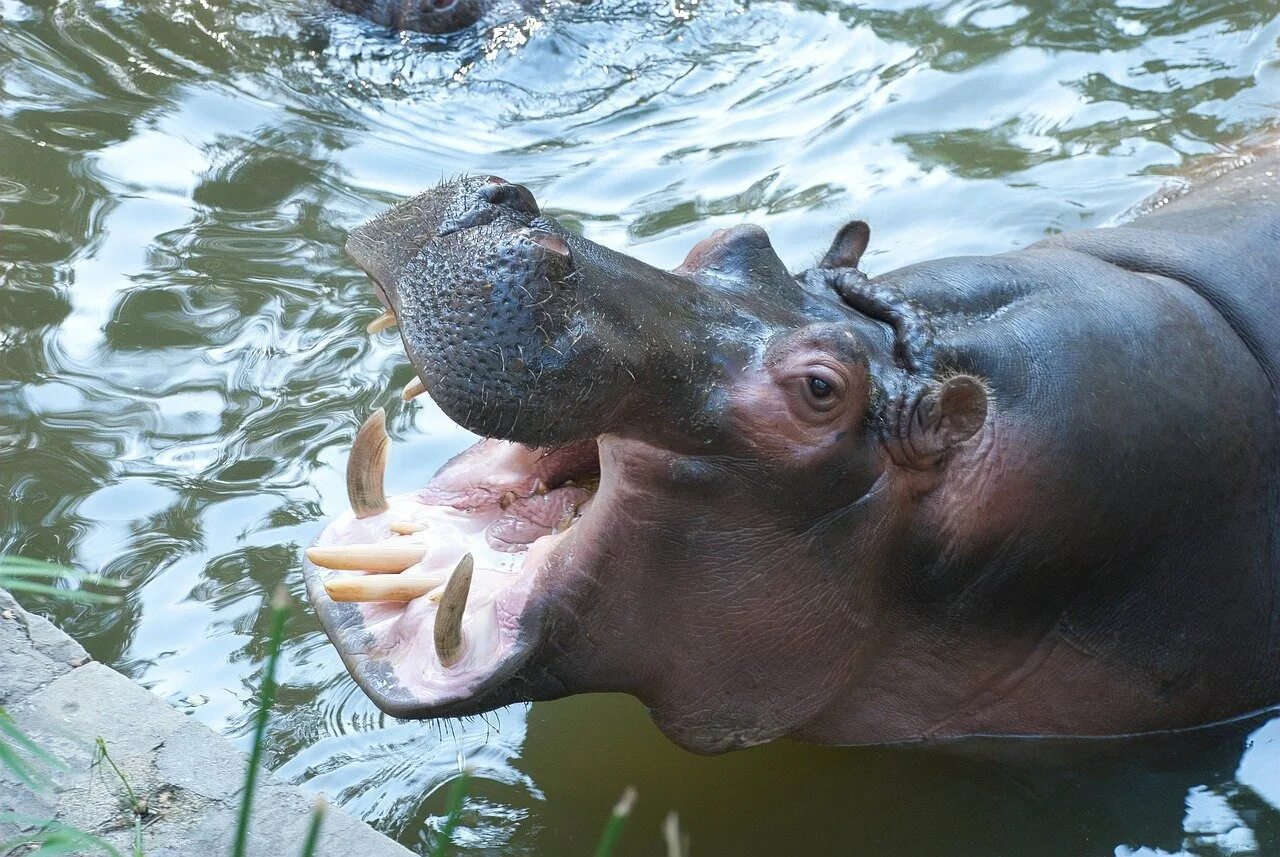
[(10, 731), (137, 836), (77, 596), (677, 842), (54, 838), (453, 813), (13, 743), (21, 566), (21, 574), (20, 768), (266, 698), (313, 830), (101, 755), (613, 829)]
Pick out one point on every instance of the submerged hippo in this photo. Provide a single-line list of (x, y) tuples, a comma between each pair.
[(1028, 494), (435, 16)]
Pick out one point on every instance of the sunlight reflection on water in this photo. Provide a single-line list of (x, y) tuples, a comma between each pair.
[(183, 363)]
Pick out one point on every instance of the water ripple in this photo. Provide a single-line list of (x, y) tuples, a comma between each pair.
[(183, 363)]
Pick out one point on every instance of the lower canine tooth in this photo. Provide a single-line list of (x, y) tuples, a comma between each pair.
[(385, 558), (413, 389), (367, 467), (383, 322), (382, 587), (453, 605)]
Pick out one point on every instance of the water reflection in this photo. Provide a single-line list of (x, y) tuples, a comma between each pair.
[(182, 360)]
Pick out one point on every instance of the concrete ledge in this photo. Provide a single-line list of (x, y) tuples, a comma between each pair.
[(190, 775)]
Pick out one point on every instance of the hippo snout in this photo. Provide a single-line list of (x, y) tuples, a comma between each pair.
[(492, 300), (524, 331)]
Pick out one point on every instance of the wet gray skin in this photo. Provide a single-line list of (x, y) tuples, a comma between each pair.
[(730, 400), (810, 518)]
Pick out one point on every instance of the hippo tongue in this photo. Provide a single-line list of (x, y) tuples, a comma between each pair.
[(519, 329)]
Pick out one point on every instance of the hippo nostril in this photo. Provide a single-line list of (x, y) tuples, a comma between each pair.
[(493, 199), (548, 241), (513, 196)]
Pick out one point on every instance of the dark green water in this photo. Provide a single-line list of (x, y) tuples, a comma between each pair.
[(183, 363)]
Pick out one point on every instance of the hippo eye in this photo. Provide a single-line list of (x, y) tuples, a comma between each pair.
[(822, 391)]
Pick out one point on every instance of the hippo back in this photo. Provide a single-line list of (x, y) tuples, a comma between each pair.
[(1221, 239)]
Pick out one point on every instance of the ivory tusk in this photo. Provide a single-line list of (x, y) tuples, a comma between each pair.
[(413, 389), (379, 587), (386, 321), (385, 558), (453, 606), (367, 467)]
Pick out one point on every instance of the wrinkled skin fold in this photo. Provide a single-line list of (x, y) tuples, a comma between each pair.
[(1026, 494)]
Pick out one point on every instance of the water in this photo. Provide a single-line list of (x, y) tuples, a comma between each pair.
[(182, 360)]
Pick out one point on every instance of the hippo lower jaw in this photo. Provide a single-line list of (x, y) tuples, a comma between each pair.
[(514, 510)]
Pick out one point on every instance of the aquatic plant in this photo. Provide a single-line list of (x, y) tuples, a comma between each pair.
[(266, 699), (617, 819), (318, 811), (457, 797), (24, 758), (136, 806), (20, 574), (53, 837)]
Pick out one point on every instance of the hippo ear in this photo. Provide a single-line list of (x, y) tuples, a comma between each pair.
[(851, 242), (947, 415)]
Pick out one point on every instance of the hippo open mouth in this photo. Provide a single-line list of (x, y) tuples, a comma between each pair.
[(427, 594)]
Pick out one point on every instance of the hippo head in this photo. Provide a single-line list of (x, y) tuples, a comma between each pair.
[(424, 16), (695, 484)]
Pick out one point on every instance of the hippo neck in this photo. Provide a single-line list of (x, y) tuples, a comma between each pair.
[(1024, 559)]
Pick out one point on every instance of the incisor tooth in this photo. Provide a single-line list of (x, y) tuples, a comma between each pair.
[(367, 467), (383, 322), (413, 389), (406, 528), (453, 605), (384, 558), (379, 587)]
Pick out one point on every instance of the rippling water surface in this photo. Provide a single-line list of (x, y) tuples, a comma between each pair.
[(183, 363)]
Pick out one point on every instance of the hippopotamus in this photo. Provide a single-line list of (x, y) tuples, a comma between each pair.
[(435, 16), (1027, 494)]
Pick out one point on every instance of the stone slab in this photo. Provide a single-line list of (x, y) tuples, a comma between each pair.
[(189, 776)]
